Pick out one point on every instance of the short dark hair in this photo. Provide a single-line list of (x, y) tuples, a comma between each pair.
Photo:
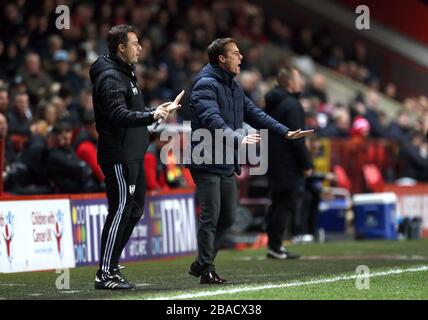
[(217, 48), (119, 34), (62, 126)]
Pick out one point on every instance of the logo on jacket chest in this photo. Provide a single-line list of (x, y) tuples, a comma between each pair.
[(134, 88)]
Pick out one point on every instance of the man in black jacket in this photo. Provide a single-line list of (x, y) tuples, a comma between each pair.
[(218, 102), (288, 162), (68, 173), (121, 121)]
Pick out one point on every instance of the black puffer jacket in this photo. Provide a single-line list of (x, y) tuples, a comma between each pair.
[(120, 113)]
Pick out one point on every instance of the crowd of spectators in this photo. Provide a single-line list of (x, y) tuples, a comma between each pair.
[(46, 117)]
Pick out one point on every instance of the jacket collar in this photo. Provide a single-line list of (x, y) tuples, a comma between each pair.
[(221, 74), (122, 65)]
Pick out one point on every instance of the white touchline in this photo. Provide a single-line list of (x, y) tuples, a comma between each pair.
[(287, 285)]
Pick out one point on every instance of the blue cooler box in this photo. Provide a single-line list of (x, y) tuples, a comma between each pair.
[(375, 215), (331, 215)]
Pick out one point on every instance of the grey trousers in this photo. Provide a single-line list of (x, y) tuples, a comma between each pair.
[(217, 196)]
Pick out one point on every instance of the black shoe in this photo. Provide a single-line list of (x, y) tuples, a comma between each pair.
[(220, 278), (114, 281), (281, 254), (211, 277), (112, 284), (195, 270)]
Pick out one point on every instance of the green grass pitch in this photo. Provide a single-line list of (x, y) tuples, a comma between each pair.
[(398, 270)]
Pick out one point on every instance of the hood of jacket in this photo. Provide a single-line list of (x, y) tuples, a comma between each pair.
[(111, 61)]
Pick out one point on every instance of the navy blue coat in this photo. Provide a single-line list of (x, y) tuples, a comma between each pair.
[(217, 101)]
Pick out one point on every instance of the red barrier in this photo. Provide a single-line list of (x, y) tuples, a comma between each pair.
[(355, 154)]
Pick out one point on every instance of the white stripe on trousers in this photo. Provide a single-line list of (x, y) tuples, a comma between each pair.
[(116, 221), (108, 251), (109, 237)]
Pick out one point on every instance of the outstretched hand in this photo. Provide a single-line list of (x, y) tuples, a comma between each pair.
[(298, 134), (175, 104), (251, 139)]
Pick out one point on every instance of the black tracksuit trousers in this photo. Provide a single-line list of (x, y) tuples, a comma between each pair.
[(125, 189)]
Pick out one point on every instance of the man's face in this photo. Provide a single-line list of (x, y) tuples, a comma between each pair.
[(132, 50), (231, 59), (4, 101), (296, 82), (33, 64), (62, 67), (22, 103), (64, 139), (3, 126)]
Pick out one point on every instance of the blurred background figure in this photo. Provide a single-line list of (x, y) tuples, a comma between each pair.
[(289, 163), (68, 173)]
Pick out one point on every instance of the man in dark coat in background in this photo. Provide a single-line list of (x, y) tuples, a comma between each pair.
[(289, 162)]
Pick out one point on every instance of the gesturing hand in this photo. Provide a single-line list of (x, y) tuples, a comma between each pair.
[(175, 104), (298, 134), (162, 111), (251, 139)]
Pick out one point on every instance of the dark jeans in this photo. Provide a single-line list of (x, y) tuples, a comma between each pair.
[(217, 197), (284, 213)]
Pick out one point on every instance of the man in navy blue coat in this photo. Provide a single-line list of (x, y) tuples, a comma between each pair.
[(218, 102)]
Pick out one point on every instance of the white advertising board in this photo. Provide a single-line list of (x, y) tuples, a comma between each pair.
[(35, 235)]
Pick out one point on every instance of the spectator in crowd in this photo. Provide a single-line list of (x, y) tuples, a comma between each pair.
[(4, 100), (68, 173), (154, 168), (9, 152), (372, 115), (70, 109), (415, 157), (356, 149), (340, 126), (86, 148), (29, 173), (20, 116), (289, 163), (48, 113), (36, 79), (399, 129), (317, 88), (160, 175), (62, 72)]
